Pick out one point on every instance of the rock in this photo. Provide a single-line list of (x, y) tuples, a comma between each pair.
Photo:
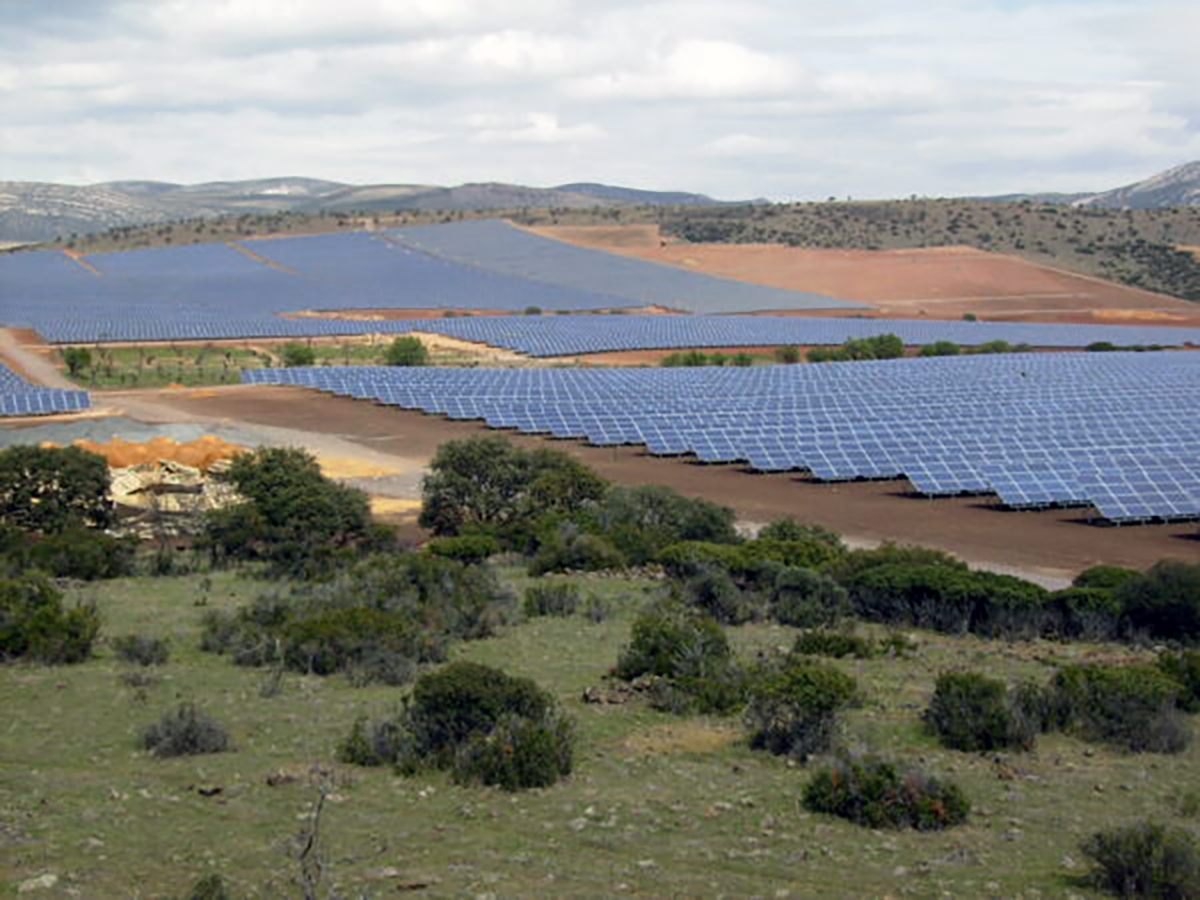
[(40, 883), (578, 824)]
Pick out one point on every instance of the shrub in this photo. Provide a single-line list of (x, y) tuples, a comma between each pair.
[(1184, 668), (84, 554), (1086, 613), (1107, 578), (1145, 860), (855, 562), (47, 490), (569, 549), (479, 722), (518, 753), (76, 359), (34, 623), (832, 644), (876, 794), (337, 640), (466, 548), (793, 706), (788, 355), (714, 594), (971, 712), (1131, 706), (788, 529), (1163, 603), (406, 351), (552, 599), (296, 354), (941, 348), (141, 650), (210, 887), (185, 731), (641, 521), (807, 599)]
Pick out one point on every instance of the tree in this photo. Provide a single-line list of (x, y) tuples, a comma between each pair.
[(489, 481), (76, 359), (297, 354), (51, 489), (406, 351)]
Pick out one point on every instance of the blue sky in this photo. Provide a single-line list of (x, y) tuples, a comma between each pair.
[(736, 98)]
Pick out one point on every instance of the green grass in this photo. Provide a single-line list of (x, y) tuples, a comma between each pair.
[(658, 805), (194, 365)]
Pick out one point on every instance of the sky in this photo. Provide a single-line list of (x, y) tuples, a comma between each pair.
[(785, 99)]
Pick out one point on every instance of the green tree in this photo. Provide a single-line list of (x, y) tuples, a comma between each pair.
[(406, 351), (489, 481), (76, 359), (297, 354), (51, 489)]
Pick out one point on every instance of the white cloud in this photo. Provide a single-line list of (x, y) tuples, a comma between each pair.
[(781, 98)]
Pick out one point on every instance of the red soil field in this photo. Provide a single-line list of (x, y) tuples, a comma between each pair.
[(936, 283)]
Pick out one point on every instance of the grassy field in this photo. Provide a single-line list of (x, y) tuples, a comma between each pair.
[(658, 806), (194, 365)]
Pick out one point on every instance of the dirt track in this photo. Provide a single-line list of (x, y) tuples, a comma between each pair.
[(943, 282), (1052, 542)]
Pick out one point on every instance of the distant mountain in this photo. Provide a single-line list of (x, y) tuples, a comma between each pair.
[(32, 211), (1175, 187)]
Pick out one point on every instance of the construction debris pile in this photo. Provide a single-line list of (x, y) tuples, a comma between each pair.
[(168, 499)]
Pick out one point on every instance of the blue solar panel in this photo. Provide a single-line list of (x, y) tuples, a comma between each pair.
[(20, 398), (1117, 431)]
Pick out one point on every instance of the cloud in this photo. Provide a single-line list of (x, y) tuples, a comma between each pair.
[(783, 98)]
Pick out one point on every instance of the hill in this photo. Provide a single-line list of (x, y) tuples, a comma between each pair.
[(1175, 187), (32, 211)]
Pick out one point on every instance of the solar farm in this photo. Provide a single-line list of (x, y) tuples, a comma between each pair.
[(1120, 432), (1115, 432)]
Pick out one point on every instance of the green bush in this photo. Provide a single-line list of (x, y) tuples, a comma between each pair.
[(1107, 578), (568, 548), (551, 599), (185, 731), (518, 753), (466, 548), (971, 712), (832, 644), (480, 723), (76, 360), (1164, 602), (82, 553), (47, 490), (793, 706), (1145, 860), (876, 794), (807, 599), (641, 521), (210, 887), (141, 649), (690, 654), (1184, 668), (855, 562), (35, 625), (1086, 613), (941, 348), (788, 355), (296, 354), (788, 529), (714, 594), (1130, 706), (406, 351), (340, 640)]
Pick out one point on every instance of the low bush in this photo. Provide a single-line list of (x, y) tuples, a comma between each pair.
[(568, 548), (296, 354), (34, 623), (466, 548), (1105, 578), (483, 725), (349, 638), (141, 649), (641, 521), (1130, 706), (1163, 603), (877, 794), (1086, 613), (691, 655), (551, 599), (1184, 668), (793, 706), (971, 712), (84, 554), (807, 599), (788, 529), (210, 887), (518, 753), (832, 644), (185, 731), (1146, 859), (713, 593)]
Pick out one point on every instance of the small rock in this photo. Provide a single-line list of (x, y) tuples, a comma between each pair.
[(899, 872), (41, 883), (578, 824)]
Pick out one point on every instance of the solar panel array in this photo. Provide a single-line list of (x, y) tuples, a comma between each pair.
[(20, 398), (1118, 431)]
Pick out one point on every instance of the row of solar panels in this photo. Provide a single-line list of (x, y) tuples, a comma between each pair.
[(20, 398), (1118, 431)]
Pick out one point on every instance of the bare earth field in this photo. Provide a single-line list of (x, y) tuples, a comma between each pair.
[(938, 283), (1055, 542)]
